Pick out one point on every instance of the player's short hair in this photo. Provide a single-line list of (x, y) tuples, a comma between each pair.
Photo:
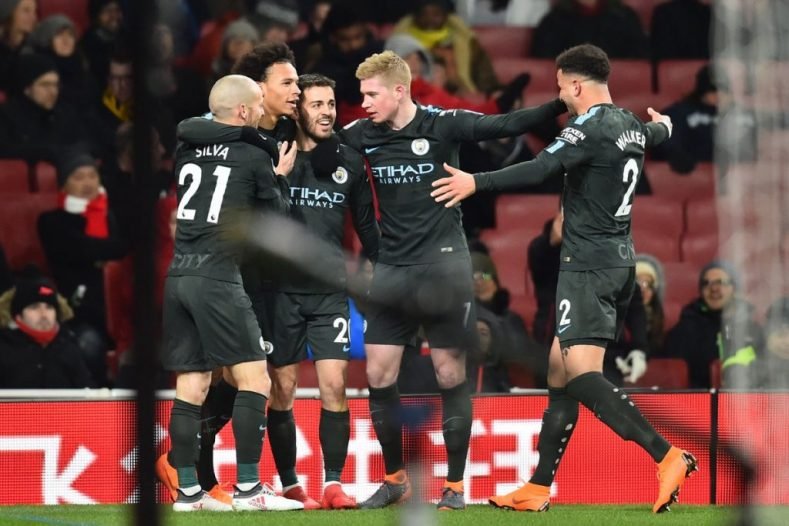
[(389, 65), (587, 60), (256, 63), (315, 80)]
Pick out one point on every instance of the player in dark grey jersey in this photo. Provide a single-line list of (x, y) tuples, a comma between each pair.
[(299, 310), (423, 276), (600, 152), (223, 169)]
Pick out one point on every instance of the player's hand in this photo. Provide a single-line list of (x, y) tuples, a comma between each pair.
[(455, 188), (659, 117), (287, 158)]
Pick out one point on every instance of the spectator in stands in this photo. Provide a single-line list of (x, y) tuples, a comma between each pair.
[(78, 238), (56, 38), (34, 123), (487, 371), (469, 69), (681, 30), (17, 20), (239, 38), (525, 13), (179, 18), (626, 358), (715, 326), (181, 90), (274, 20), (610, 25), (773, 367), (346, 42), (426, 92), (700, 121), (36, 352), (651, 280), (519, 346), (315, 18), (102, 36), (118, 179)]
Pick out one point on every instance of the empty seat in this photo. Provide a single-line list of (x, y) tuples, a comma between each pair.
[(525, 212), (21, 242), (76, 10), (667, 373), (357, 374), (13, 176), (45, 177), (701, 216), (656, 214), (677, 78), (666, 183), (542, 71), (671, 313), (520, 376), (682, 280), (508, 251), (700, 249), (663, 246), (505, 41), (639, 101), (308, 376), (630, 77)]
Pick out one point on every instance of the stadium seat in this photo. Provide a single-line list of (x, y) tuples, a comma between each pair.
[(671, 313), (45, 178), (630, 77), (508, 251), (543, 73), (13, 176), (643, 9), (357, 374), (677, 78), (639, 102), (701, 216), (520, 376), (505, 41), (76, 10), (658, 215), (662, 245), (20, 240), (666, 373), (700, 249), (682, 280), (526, 306), (308, 376), (667, 183), (715, 374), (525, 211)]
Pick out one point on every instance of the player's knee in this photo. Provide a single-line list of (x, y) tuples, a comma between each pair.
[(379, 375), (450, 374), (192, 387), (333, 394)]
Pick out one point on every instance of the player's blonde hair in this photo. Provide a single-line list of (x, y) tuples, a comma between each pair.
[(389, 66)]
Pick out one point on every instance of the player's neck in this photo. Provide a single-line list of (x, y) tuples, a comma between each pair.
[(268, 121), (599, 96), (304, 142), (405, 114)]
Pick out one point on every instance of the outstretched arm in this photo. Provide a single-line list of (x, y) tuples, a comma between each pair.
[(659, 129)]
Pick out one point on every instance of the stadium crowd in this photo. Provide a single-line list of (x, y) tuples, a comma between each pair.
[(66, 174)]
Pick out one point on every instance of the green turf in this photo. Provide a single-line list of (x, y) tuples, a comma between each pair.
[(474, 515)]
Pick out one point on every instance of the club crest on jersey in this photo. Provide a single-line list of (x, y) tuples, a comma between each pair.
[(420, 146), (340, 175)]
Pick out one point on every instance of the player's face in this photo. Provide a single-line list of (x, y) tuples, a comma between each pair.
[(717, 289), (318, 112), (380, 101), (281, 90), (40, 316), (569, 89)]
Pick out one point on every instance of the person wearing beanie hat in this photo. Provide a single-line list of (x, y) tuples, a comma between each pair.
[(35, 351), (99, 41), (17, 20), (716, 326), (240, 37), (47, 32)]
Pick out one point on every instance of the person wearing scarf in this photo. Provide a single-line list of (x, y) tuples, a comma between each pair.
[(36, 352), (78, 238)]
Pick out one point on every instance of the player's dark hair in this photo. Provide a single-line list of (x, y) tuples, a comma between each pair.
[(256, 63), (587, 60), (315, 80)]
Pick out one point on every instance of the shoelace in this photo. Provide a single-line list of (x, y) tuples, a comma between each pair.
[(267, 489)]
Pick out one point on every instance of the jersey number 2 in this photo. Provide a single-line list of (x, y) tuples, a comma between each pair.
[(222, 174), (630, 175)]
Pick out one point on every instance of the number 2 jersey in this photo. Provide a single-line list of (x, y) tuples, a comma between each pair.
[(404, 163), (222, 172)]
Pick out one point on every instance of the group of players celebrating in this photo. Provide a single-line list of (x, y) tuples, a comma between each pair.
[(270, 145)]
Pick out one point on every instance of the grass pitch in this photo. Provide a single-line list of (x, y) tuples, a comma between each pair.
[(474, 516)]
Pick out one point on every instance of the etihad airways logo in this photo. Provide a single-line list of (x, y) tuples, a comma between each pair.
[(313, 197), (402, 174)]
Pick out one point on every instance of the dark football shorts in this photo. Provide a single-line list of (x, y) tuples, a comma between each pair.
[(208, 323), (439, 297), (290, 321), (591, 305)]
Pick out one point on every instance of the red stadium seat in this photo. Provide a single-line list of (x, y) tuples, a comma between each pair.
[(508, 251), (700, 249), (667, 183), (639, 102), (19, 235), (526, 212), (13, 176), (542, 71), (308, 376), (505, 41), (630, 77), (682, 280), (76, 10), (357, 374), (520, 376), (667, 373), (671, 312), (45, 178), (526, 307), (662, 245), (653, 214), (701, 216), (677, 78)]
